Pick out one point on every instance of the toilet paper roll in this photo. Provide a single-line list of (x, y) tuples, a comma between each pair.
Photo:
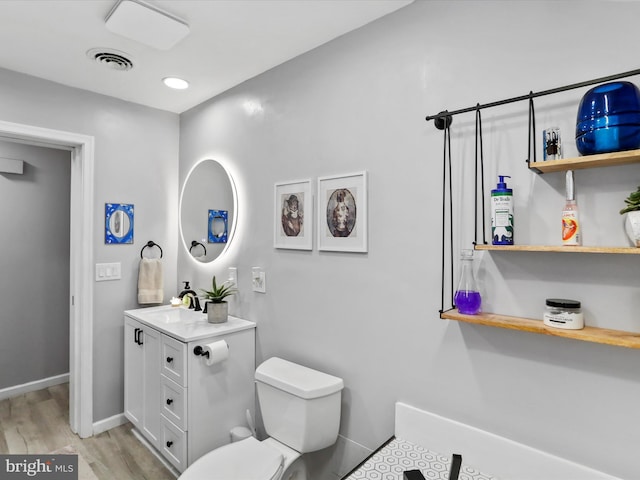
[(218, 352)]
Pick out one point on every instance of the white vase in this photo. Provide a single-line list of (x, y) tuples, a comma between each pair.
[(217, 312), (632, 227)]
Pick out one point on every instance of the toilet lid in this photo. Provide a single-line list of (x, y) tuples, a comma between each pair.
[(248, 459)]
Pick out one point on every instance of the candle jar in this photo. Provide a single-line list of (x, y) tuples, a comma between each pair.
[(563, 313)]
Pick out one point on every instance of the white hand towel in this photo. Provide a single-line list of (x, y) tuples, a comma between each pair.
[(150, 281)]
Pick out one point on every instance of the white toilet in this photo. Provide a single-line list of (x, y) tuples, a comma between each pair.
[(301, 413)]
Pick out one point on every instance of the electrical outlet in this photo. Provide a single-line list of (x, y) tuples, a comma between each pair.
[(258, 280)]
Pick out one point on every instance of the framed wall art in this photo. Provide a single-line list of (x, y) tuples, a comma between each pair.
[(118, 223), (293, 219), (342, 213)]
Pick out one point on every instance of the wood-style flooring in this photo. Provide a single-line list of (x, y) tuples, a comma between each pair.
[(38, 423)]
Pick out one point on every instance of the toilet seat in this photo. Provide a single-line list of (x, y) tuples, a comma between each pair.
[(248, 459)]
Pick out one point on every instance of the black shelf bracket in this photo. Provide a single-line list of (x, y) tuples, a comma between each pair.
[(444, 117)]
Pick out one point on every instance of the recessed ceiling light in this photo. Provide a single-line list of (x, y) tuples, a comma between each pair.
[(174, 82)]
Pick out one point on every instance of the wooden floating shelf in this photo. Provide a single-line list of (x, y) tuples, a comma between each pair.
[(588, 161), (559, 249), (616, 338)]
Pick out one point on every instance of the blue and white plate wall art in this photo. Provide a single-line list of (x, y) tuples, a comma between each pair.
[(118, 223)]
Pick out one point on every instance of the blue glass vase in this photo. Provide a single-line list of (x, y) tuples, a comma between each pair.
[(609, 119)]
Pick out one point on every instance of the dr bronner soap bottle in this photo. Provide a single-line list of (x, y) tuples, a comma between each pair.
[(570, 222)]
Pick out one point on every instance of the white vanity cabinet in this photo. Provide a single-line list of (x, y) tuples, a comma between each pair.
[(182, 406)]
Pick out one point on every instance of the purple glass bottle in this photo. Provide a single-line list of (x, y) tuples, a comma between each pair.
[(467, 297)]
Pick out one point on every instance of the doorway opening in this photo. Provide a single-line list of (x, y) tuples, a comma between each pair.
[(81, 262)]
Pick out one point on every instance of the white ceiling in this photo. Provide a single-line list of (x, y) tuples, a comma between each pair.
[(229, 42)]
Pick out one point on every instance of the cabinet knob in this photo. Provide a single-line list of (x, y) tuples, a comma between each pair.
[(169, 359), (169, 401), (169, 443)]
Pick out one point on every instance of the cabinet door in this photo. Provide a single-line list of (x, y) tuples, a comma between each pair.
[(133, 372), (151, 421), (142, 378)]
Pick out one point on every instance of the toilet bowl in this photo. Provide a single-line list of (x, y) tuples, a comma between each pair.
[(301, 412)]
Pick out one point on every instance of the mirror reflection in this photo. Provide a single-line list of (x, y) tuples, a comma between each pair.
[(119, 224), (207, 211)]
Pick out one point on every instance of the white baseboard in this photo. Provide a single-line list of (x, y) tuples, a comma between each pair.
[(33, 386), (109, 423)]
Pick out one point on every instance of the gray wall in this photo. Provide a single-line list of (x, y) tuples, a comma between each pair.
[(34, 259), (358, 103), (136, 149)]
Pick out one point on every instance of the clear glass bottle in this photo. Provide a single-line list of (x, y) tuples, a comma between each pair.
[(467, 297)]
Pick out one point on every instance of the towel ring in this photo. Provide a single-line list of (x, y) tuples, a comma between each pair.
[(195, 244), (150, 244)]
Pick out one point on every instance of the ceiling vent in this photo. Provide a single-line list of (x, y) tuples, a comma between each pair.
[(112, 59)]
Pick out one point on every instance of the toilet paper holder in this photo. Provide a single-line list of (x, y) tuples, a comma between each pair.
[(214, 353), (198, 350)]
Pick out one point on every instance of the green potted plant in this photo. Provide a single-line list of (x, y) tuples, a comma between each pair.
[(632, 217), (216, 306)]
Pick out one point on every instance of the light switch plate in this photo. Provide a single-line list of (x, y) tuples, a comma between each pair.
[(258, 280)]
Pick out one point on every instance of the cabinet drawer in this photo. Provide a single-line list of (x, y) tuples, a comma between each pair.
[(174, 360), (174, 402), (174, 445)]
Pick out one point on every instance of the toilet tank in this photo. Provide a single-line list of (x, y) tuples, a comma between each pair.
[(300, 406)]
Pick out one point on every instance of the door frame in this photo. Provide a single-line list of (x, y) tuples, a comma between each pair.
[(80, 259)]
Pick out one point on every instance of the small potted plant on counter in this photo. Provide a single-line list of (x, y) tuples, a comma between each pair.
[(632, 217), (217, 308)]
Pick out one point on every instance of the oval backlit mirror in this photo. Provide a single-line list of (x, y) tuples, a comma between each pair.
[(207, 211)]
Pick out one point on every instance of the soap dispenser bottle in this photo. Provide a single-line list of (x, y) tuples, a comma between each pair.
[(571, 234), (502, 213)]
